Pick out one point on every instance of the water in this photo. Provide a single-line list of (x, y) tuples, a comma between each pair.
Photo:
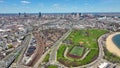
[(116, 40)]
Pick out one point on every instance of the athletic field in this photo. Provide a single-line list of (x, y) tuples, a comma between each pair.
[(77, 51)]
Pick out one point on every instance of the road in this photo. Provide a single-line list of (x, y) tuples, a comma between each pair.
[(25, 46), (53, 50), (8, 60), (100, 56), (53, 53)]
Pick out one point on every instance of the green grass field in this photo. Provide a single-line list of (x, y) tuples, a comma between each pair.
[(46, 59), (89, 39), (77, 50), (111, 57), (52, 66)]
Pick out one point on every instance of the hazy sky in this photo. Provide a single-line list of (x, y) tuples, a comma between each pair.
[(51, 6)]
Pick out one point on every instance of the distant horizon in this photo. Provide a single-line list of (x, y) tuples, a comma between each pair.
[(59, 6), (56, 12)]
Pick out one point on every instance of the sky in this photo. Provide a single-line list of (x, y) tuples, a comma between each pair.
[(59, 6)]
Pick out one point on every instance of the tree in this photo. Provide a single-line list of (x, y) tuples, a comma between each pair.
[(10, 46)]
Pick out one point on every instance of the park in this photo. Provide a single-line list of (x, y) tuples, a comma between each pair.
[(80, 47)]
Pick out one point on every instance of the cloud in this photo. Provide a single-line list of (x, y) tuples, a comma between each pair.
[(25, 2), (56, 5)]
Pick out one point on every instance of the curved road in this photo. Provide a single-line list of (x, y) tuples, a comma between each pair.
[(92, 64)]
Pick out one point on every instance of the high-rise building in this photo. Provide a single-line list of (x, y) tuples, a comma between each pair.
[(39, 15), (80, 14), (25, 14), (19, 14), (77, 15), (73, 15)]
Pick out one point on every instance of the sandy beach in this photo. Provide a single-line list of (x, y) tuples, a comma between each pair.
[(111, 46)]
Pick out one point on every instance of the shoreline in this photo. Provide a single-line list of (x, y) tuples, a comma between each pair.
[(111, 46)]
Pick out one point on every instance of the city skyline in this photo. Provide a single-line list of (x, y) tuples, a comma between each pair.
[(59, 34), (56, 6)]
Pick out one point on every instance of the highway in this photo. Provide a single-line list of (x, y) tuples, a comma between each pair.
[(53, 53), (8, 60), (25, 46), (53, 50)]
